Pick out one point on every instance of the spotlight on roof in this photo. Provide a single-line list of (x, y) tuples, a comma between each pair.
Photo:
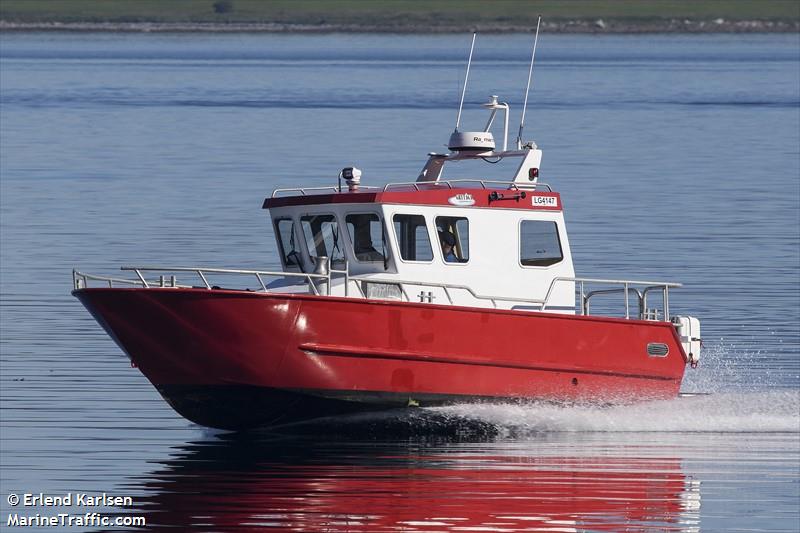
[(352, 176)]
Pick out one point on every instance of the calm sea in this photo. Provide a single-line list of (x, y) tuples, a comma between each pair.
[(678, 158)]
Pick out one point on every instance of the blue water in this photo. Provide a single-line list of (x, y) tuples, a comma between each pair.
[(678, 159)]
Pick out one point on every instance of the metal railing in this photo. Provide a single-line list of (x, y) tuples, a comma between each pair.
[(446, 287), (81, 279), (422, 185), (585, 298), (327, 188), (417, 186), (316, 280), (644, 313)]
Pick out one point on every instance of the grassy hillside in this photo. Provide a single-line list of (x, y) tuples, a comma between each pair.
[(389, 12)]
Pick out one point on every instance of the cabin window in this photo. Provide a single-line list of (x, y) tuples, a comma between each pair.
[(412, 237), (321, 233), (453, 238), (285, 232), (366, 234), (539, 243)]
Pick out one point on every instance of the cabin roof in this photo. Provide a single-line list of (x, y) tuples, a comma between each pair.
[(448, 197)]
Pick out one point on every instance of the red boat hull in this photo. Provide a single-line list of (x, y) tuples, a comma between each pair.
[(234, 359)]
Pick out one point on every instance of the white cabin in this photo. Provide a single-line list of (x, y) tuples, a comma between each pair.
[(510, 248)]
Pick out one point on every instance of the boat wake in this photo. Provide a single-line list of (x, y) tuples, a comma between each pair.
[(734, 412), (731, 412)]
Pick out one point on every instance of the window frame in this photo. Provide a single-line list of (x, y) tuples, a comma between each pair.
[(439, 241), (386, 241), (519, 243), (399, 244), (305, 239), (275, 225)]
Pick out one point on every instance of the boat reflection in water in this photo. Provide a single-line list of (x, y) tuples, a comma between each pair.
[(242, 483)]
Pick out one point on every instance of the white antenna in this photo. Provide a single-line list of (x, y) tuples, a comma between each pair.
[(466, 77), (527, 89)]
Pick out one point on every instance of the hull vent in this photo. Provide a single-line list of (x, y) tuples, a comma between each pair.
[(657, 349)]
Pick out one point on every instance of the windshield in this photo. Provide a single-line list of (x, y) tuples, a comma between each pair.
[(321, 233), (366, 234)]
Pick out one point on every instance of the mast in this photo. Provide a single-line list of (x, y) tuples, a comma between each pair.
[(528, 88), (466, 77)]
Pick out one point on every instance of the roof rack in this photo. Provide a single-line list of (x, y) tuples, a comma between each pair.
[(304, 191), (492, 184), (416, 185)]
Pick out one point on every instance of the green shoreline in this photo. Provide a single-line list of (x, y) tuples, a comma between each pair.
[(402, 16), (598, 26)]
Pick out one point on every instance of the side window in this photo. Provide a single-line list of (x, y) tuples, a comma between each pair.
[(284, 229), (366, 234), (321, 233), (539, 244), (453, 238), (412, 237)]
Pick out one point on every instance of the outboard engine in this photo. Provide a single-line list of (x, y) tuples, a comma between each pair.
[(689, 331)]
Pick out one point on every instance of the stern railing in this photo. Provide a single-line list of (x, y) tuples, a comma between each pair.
[(639, 288)]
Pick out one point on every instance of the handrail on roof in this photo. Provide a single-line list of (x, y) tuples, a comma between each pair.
[(418, 186), (303, 190)]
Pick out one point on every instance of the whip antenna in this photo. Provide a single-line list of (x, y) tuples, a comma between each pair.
[(466, 77), (527, 89)]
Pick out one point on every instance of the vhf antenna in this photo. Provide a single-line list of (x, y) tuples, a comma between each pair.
[(527, 89), (466, 77)]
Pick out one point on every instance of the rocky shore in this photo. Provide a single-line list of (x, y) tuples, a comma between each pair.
[(600, 26)]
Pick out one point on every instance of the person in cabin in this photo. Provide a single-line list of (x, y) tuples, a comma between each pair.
[(448, 242), (363, 247)]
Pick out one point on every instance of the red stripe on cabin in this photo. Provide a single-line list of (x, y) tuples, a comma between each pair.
[(511, 199)]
